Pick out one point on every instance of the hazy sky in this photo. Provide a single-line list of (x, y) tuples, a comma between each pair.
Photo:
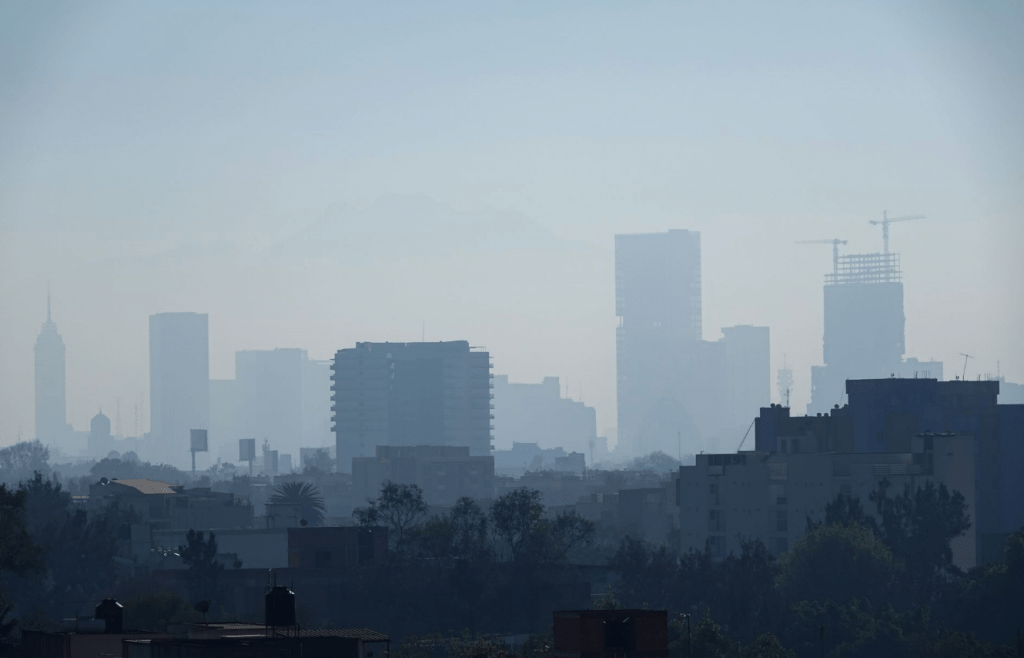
[(155, 157)]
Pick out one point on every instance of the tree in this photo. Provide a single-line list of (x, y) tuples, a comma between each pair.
[(918, 526), (80, 551), (304, 496), (766, 646), (154, 611), (656, 462), (199, 554), (469, 528), (845, 510), (19, 554), (836, 562), (19, 461), (318, 463), (710, 640), (515, 517), (569, 530), (647, 573), (399, 507)]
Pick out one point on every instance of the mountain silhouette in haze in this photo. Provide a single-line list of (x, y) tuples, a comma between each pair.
[(398, 226)]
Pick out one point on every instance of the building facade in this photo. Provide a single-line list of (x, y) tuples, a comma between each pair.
[(883, 416), (726, 499), (411, 394), (179, 382)]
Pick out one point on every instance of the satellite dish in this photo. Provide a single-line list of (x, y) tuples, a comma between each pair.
[(303, 522), (104, 480)]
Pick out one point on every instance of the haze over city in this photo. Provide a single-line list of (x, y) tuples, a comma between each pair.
[(511, 330), (184, 159)]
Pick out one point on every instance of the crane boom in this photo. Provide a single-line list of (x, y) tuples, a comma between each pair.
[(885, 221)]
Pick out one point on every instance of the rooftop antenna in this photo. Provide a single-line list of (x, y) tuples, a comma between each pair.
[(835, 242), (966, 356), (48, 300), (885, 221)]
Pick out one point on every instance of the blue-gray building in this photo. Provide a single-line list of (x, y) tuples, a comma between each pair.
[(883, 416)]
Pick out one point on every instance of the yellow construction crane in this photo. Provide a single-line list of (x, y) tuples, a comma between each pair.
[(885, 221), (835, 242)]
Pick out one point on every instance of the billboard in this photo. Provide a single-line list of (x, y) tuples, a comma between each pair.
[(246, 450), (198, 442)]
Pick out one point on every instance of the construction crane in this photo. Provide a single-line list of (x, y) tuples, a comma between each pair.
[(966, 356), (885, 221), (835, 242)]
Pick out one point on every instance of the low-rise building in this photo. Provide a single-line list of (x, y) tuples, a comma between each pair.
[(726, 499), (884, 415), (172, 506), (336, 548)]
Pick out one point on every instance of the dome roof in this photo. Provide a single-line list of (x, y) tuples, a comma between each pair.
[(100, 424)]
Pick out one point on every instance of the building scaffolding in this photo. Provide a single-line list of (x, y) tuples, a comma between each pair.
[(866, 268)]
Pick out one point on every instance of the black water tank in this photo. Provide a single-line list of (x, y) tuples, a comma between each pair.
[(111, 612), (280, 607)]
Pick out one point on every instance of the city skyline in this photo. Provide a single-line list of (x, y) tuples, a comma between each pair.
[(248, 181)]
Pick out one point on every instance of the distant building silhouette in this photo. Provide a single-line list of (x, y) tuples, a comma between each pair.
[(538, 413), (864, 328), (678, 393), (410, 394), (529, 457), (51, 384), (658, 301), (179, 381), (100, 440)]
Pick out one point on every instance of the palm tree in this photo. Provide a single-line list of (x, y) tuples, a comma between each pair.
[(304, 496)]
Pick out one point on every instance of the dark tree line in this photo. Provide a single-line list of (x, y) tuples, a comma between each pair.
[(54, 559), (861, 584)]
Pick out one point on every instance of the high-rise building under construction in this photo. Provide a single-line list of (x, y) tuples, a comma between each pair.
[(864, 328)]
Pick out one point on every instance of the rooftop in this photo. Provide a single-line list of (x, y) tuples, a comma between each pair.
[(148, 486)]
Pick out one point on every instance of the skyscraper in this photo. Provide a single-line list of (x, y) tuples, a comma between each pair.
[(179, 381), (409, 394), (51, 386), (658, 301), (864, 326)]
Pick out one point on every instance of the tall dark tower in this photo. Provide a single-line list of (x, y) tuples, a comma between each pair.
[(51, 387)]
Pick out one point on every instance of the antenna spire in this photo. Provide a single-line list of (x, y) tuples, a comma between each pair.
[(48, 301)]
